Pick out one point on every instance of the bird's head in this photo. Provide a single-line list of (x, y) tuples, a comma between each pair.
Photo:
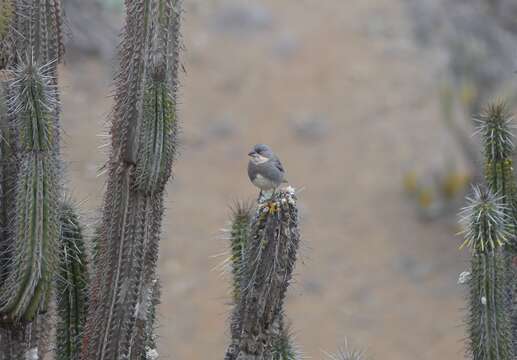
[(260, 153)]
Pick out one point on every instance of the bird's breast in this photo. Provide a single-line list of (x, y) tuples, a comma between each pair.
[(262, 182)]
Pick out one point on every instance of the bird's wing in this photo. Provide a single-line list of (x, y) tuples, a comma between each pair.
[(278, 165)]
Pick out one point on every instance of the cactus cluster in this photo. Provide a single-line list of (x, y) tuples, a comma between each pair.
[(106, 301)]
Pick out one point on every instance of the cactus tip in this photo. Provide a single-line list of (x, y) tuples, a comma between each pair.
[(485, 220)]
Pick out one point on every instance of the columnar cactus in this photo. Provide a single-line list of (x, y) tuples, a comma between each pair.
[(21, 341), (39, 234), (7, 16), (267, 263), (487, 223), (72, 284), (495, 128), (30, 156), (31, 29), (242, 214), (143, 136), (30, 49), (33, 236)]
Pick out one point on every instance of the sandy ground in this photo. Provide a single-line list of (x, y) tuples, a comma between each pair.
[(346, 100)]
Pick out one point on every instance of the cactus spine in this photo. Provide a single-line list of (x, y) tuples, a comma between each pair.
[(143, 138), (267, 263), (487, 223), (345, 353), (72, 284)]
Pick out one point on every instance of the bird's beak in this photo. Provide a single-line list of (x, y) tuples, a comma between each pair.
[(251, 153)]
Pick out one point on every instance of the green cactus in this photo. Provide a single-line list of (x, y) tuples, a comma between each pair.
[(283, 344), (39, 30), (267, 264), (486, 229), (495, 129), (31, 29), (6, 16), (34, 232), (156, 151), (37, 233), (7, 171), (345, 353), (143, 138), (239, 235), (71, 284)]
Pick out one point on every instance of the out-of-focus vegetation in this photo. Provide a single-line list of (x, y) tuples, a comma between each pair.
[(476, 42)]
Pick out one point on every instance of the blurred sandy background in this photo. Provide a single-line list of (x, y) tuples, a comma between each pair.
[(344, 96)]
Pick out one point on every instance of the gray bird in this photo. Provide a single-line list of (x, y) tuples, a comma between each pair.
[(265, 169)]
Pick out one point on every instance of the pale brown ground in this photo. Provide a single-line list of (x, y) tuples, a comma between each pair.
[(370, 270)]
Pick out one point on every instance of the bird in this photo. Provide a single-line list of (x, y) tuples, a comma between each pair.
[(265, 169)]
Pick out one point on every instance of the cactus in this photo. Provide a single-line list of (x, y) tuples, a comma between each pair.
[(487, 223), (267, 264), (38, 26), (6, 14), (22, 341), (239, 235), (72, 284), (283, 345), (38, 232), (495, 129), (143, 138), (34, 232), (6, 20), (147, 324), (345, 353)]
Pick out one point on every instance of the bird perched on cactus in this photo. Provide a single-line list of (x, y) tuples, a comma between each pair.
[(265, 169)]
